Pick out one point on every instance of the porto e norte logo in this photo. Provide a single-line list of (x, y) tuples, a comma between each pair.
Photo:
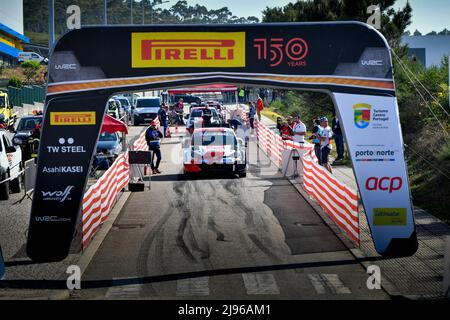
[(362, 112)]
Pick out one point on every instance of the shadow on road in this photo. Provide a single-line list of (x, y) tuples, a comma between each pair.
[(96, 284)]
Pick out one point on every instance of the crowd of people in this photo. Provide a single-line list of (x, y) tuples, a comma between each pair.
[(293, 129)]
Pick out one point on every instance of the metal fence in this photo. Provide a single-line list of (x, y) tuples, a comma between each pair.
[(26, 94)]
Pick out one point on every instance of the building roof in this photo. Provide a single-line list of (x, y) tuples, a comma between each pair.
[(4, 48), (13, 33)]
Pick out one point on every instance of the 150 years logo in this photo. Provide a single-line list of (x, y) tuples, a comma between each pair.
[(277, 50)]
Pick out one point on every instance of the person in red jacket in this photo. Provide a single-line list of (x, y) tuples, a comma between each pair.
[(286, 132), (259, 107)]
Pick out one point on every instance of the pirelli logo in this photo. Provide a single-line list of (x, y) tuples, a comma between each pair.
[(188, 49), (72, 118)]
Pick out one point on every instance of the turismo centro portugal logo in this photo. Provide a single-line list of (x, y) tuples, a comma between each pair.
[(362, 115)]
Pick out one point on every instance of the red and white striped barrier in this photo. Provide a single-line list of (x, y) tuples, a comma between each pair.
[(140, 144), (335, 198), (100, 197), (338, 200)]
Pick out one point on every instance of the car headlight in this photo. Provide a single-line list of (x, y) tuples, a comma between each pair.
[(17, 141)]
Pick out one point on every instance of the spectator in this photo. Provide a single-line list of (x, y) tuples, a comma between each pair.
[(251, 114), (290, 122), (286, 131), (338, 138), (162, 117), (299, 130), (259, 107), (153, 137), (326, 135), (316, 138), (236, 121), (179, 109), (279, 124), (241, 95)]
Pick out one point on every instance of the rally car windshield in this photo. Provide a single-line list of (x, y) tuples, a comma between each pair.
[(213, 139)]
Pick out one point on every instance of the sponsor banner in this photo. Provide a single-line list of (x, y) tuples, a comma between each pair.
[(68, 141), (72, 118), (374, 138), (314, 55), (188, 49)]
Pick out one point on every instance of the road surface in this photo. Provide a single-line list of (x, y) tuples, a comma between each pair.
[(219, 237)]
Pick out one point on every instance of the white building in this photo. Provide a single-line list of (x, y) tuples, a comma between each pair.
[(428, 49), (11, 30)]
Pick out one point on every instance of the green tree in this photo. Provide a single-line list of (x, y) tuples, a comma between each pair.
[(393, 23)]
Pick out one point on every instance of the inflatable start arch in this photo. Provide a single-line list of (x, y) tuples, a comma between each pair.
[(350, 61)]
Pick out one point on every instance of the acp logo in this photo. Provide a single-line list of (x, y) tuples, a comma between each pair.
[(293, 51), (384, 184), (362, 114), (72, 118), (188, 49)]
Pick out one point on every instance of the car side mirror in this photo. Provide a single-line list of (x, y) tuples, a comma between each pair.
[(10, 149)]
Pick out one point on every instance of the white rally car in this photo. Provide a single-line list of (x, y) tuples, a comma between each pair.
[(215, 149), (10, 167)]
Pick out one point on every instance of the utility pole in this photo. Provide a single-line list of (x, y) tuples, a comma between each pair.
[(105, 11), (131, 11), (143, 12), (51, 25)]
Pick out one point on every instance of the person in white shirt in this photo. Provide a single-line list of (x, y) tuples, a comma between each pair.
[(325, 135), (299, 130)]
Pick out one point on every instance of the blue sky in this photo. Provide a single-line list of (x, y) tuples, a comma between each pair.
[(428, 15)]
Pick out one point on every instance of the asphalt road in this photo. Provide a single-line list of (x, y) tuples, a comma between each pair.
[(220, 237)]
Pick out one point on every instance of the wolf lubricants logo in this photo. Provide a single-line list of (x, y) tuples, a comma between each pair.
[(72, 118), (188, 49)]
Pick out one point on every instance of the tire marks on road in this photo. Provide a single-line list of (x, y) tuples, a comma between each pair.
[(328, 283)]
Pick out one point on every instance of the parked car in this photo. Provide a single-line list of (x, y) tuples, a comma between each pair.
[(25, 128), (215, 149), (110, 142), (10, 167), (145, 110), (202, 117), (125, 104), (31, 56)]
